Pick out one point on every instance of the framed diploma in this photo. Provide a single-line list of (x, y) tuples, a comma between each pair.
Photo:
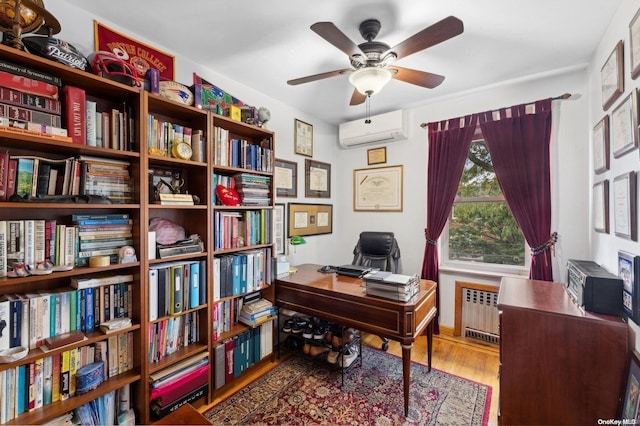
[(286, 178), (278, 228), (624, 205), (303, 138), (624, 125), (634, 42), (601, 206), (310, 219), (317, 182), (377, 156), (378, 189), (601, 146), (612, 77)]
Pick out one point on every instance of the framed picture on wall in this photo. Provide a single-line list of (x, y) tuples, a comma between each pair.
[(624, 203), (285, 175), (279, 226), (317, 179), (624, 126), (629, 272), (303, 138), (601, 206), (634, 42), (632, 390), (612, 77), (601, 146), (310, 219)]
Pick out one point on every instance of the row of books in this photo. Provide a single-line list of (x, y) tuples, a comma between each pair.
[(254, 190), (392, 286), (176, 286), (29, 100), (233, 229), (256, 311), (30, 176), (179, 384), (234, 355), (241, 153), (111, 408), (51, 379), (29, 319), (225, 316), (240, 273), (163, 135), (171, 334)]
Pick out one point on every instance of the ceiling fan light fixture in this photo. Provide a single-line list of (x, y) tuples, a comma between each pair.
[(370, 80)]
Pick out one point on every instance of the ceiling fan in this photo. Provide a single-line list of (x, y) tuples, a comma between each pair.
[(372, 61)]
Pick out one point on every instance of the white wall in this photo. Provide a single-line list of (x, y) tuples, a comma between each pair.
[(604, 247), (571, 130)]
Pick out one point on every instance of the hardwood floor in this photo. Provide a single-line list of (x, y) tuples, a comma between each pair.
[(467, 358)]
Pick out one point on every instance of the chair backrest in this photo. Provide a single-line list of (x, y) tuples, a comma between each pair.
[(377, 250)]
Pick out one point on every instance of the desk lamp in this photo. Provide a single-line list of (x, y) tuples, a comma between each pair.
[(294, 241)]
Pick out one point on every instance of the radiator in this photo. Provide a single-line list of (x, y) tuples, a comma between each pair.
[(480, 315)]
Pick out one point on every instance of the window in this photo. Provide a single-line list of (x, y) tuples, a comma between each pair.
[(481, 229)]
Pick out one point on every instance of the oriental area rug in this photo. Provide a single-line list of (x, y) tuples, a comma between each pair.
[(301, 391)]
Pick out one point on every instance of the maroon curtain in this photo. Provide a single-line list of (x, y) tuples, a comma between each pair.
[(448, 146), (519, 146)]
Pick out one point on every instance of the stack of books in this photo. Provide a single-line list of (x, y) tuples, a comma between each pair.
[(256, 311), (179, 384), (391, 286), (101, 235), (106, 177), (253, 189)]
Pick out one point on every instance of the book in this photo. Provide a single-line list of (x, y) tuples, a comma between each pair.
[(4, 174), (28, 85), (98, 281), (33, 116), (26, 100), (74, 114), (11, 177), (34, 74), (24, 176), (5, 325), (161, 411), (3, 248), (90, 117)]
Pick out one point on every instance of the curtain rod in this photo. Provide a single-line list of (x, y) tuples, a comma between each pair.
[(561, 97)]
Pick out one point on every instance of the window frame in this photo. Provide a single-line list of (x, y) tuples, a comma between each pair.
[(447, 263)]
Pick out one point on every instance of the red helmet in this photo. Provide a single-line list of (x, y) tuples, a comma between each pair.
[(106, 64)]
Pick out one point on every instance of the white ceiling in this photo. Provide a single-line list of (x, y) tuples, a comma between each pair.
[(262, 44)]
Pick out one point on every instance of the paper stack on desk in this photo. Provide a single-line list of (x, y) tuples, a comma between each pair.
[(391, 286)]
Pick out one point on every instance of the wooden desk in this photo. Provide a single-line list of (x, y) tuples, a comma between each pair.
[(342, 300), (185, 415)]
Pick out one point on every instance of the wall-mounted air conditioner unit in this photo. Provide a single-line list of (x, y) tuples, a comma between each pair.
[(388, 127)]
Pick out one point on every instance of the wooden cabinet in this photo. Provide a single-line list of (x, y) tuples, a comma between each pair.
[(558, 364), (196, 177)]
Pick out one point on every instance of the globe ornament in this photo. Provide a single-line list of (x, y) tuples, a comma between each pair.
[(18, 17), (264, 115)]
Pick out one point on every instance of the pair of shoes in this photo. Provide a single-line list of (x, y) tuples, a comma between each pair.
[(288, 326), (41, 268), (19, 270), (320, 332), (299, 325), (317, 350), (332, 357), (348, 356), (309, 330)]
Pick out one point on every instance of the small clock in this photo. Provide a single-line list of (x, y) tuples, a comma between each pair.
[(182, 150)]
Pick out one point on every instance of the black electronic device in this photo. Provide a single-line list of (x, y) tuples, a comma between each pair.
[(352, 270), (594, 288)]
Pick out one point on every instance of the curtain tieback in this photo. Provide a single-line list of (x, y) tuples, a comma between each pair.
[(550, 244), (429, 239)]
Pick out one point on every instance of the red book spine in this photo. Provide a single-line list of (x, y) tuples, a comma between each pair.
[(28, 85), (175, 389), (26, 100), (4, 174), (11, 178), (24, 114), (74, 116)]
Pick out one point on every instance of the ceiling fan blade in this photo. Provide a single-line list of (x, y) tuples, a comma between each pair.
[(437, 33), (357, 98), (320, 76), (419, 78), (331, 33)]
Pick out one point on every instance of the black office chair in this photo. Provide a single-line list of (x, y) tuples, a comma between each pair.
[(378, 250)]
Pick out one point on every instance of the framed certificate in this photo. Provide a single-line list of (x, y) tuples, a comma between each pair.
[(317, 182), (601, 146), (624, 205), (612, 77), (303, 138), (286, 178), (378, 189)]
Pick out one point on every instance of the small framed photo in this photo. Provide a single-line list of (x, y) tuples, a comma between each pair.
[(601, 206), (317, 182), (377, 155), (612, 77), (629, 272), (624, 202), (624, 126), (634, 42), (632, 391), (279, 227), (601, 146), (303, 138), (285, 175)]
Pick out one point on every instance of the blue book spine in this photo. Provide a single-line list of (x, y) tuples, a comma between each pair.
[(15, 322), (52, 314), (89, 309), (21, 391), (203, 282), (102, 217), (73, 311), (236, 265), (194, 282), (102, 222), (243, 273)]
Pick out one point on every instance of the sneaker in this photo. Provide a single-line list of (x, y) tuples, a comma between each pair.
[(309, 330), (288, 325), (332, 357), (320, 332), (298, 326), (348, 356)]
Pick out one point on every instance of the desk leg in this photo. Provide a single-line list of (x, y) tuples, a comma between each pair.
[(406, 375), (429, 343)]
